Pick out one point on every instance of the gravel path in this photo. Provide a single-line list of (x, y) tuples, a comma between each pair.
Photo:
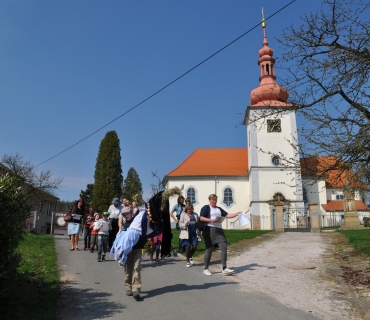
[(289, 268)]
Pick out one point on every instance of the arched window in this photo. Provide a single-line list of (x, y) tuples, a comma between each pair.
[(275, 160), (190, 193), (228, 197)]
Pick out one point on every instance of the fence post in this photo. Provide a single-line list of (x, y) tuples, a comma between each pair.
[(279, 216), (314, 216)]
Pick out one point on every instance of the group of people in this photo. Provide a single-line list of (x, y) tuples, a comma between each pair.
[(209, 223), (123, 229)]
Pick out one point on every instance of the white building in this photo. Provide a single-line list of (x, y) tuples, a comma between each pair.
[(252, 179)]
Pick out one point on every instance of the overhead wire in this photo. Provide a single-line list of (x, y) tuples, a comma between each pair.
[(167, 85)]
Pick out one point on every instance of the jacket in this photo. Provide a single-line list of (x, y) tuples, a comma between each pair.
[(184, 234)]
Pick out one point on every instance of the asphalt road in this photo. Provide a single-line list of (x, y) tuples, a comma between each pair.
[(94, 290)]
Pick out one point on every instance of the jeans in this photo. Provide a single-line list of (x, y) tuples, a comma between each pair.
[(102, 244), (87, 237)]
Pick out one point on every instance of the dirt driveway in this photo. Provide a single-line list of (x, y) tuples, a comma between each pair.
[(317, 273)]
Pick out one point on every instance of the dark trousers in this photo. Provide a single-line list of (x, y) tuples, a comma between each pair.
[(102, 244), (87, 237), (113, 232), (94, 242)]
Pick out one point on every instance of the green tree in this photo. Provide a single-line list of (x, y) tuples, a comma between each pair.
[(87, 195), (14, 211), (132, 185), (64, 206), (108, 173)]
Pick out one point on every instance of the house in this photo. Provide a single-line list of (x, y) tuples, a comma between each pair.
[(39, 220), (258, 178)]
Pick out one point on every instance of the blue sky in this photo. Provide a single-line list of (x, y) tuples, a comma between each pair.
[(69, 67)]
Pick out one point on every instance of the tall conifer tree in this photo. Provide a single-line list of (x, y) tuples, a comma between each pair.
[(108, 173), (132, 184)]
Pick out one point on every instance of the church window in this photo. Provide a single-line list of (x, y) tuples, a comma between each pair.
[(190, 193), (275, 160), (228, 197), (305, 198), (267, 69)]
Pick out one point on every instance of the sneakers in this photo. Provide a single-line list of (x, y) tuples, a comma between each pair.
[(207, 272), (156, 260), (121, 265), (188, 265), (136, 295), (151, 256), (103, 258), (128, 292), (85, 248), (191, 261), (228, 271), (99, 259)]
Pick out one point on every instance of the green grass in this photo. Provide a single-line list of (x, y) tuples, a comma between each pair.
[(360, 239), (33, 292), (232, 236)]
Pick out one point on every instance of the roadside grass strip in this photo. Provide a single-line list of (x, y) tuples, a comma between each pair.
[(360, 239), (32, 293), (232, 236)]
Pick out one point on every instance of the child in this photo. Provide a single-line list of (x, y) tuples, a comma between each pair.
[(157, 242), (103, 226), (94, 233)]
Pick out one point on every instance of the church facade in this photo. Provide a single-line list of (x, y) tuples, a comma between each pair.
[(269, 170)]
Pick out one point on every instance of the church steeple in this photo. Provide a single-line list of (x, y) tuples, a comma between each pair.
[(268, 93)]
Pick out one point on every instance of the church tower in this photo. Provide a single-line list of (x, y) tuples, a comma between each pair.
[(272, 139)]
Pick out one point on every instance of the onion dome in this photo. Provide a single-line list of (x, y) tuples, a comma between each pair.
[(268, 93)]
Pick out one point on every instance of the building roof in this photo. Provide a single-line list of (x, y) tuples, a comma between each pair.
[(325, 167), (338, 205), (214, 162)]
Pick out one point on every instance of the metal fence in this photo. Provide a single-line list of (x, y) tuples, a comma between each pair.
[(336, 219)]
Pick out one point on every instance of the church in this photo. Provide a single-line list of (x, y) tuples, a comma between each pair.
[(253, 179)]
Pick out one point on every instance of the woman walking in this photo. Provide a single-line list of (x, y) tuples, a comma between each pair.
[(188, 234), (213, 234), (78, 211)]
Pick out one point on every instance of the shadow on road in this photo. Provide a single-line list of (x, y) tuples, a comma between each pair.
[(81, 304), (252, 266), (182, 287)]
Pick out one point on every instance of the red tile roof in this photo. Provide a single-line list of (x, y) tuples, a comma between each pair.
[(326, 166), (338, 205), (214, 162)]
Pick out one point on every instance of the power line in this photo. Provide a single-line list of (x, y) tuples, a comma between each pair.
[(166, 86)]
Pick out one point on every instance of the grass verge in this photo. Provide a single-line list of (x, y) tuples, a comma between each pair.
[(360, 239), (33, 292), (232, 236)]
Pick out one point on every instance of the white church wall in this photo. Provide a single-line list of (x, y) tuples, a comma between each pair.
[(204, 186), (316, 192)]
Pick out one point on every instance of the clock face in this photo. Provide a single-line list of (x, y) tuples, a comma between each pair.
[(274, 125)]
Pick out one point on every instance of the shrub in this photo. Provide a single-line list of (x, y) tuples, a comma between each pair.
[(14, 211)]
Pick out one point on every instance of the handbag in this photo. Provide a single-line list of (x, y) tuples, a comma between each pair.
[(67, 217)]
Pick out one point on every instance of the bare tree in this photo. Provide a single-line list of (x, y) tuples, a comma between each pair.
[(34, 184), (327, 63), (158, 186)]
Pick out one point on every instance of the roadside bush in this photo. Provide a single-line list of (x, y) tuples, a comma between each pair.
[(14, 211)]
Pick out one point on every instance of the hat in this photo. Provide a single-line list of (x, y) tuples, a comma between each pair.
[(116, 201), (126, 210), (105, 213), (96, 214)]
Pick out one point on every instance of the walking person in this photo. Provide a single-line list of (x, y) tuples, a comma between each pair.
[(77, 213), (103, 226), (87, 231), (157, 243), (132, 266), (94, 233), (213, 234), (188, 234), (114, 212), (178, 208)]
